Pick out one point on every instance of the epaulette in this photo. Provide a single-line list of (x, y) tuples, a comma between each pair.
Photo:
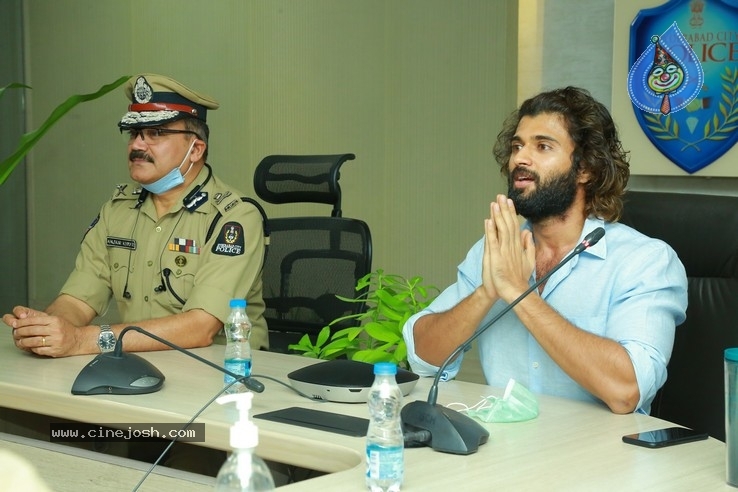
[(225, 201), (126, 191)]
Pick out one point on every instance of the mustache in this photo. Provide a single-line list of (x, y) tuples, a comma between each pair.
[(140, 154), (521, 172)]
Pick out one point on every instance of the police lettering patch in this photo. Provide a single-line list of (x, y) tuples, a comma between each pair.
[(230, 241)]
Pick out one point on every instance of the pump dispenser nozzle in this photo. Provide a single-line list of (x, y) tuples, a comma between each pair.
[(243, 471), (244, 433)]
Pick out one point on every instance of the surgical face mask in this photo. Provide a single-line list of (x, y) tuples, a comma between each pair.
[(172, 179), (516, 405)]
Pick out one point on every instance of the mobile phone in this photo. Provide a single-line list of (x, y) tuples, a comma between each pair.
[(665, 437)]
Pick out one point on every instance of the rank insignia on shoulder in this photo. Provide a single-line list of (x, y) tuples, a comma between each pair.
[(230, 241)]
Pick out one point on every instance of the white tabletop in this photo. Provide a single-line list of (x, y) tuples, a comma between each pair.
[(570, 446)]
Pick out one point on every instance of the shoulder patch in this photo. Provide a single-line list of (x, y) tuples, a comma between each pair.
[(89, 227), (230, 240)]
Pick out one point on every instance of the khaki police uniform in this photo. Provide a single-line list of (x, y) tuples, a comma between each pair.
[(128, 251)]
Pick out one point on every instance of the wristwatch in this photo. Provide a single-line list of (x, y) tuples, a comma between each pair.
[(106, 339)]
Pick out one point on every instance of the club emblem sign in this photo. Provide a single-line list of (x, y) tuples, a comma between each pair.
[(683, 79)]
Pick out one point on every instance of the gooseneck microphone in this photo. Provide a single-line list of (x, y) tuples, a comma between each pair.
[(451, 431), (124, 373)]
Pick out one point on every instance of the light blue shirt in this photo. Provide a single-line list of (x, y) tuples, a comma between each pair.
[(627, 287)]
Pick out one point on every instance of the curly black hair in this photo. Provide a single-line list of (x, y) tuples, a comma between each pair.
[(597, 147)]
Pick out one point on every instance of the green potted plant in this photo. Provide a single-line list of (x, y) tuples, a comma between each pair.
[(390, 300)]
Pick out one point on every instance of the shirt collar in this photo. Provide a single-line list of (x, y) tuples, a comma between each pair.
[(591, 223)]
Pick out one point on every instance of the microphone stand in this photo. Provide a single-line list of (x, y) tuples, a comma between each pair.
[(451, 431), (106, 372)]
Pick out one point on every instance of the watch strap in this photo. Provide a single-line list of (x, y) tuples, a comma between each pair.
[(106, 333)]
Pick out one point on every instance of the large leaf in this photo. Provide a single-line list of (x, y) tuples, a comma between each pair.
[(28, 140), (384, 332)]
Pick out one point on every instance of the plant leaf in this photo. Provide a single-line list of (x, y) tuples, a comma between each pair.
[(14, 85), (30, 139), (401, 351), (350, 333), (372, 356), (323, 336), (391, 301), (383, 332)]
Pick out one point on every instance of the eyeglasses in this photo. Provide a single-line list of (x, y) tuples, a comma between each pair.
[(152, 136)]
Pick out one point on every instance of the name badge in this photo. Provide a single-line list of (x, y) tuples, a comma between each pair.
[(119, 242)]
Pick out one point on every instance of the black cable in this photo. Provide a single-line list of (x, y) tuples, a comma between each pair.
[(126, 294), (197, 414), (171, 443), (415, 439)]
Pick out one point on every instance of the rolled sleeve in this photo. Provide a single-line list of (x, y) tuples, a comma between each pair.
[(643, 318)]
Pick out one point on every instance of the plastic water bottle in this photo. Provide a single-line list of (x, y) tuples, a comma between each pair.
[(243, 471), (238, 349), (385, 462)]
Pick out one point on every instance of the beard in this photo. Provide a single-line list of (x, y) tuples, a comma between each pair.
[(551, 198)]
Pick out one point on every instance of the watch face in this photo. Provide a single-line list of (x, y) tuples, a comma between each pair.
[(106, 341)]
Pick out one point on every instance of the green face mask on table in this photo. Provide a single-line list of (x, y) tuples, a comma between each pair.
[(516, 405)]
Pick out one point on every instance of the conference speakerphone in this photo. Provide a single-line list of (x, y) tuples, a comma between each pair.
[(344, 381)]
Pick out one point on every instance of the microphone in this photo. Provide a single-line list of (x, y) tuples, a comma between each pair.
[(451, 431), (123, 373)]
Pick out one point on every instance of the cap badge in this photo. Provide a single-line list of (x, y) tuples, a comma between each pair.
[(142, 91)]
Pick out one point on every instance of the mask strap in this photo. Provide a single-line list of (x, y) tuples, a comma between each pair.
[(186, 156), (466, 408)]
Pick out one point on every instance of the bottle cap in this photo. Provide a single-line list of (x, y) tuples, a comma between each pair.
[(244, 433), (385, 368), (237, 303), (731, 354)]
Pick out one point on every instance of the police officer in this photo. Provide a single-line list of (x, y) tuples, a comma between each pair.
[(171, 249)]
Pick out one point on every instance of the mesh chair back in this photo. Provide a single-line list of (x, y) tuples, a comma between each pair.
[(310, 260), (301, 178)]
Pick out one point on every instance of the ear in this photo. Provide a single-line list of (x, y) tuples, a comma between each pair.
[(198, 150), (584, 176)]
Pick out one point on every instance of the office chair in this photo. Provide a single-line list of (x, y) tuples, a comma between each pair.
[(703, 230), (311, 259)]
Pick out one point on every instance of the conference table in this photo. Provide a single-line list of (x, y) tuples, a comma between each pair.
[(570, 446)]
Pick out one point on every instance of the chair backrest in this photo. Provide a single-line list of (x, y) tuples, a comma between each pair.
[(310, 259), (301, 179), (703, 230)]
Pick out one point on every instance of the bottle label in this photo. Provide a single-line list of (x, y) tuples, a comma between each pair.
[(384, 463), (241, 367)]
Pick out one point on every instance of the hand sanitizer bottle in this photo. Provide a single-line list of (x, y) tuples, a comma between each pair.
[(243, 471)]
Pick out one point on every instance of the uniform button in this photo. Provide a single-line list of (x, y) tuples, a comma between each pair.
[(149, 263), (158, 228), (146, 298), (535, 365)]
